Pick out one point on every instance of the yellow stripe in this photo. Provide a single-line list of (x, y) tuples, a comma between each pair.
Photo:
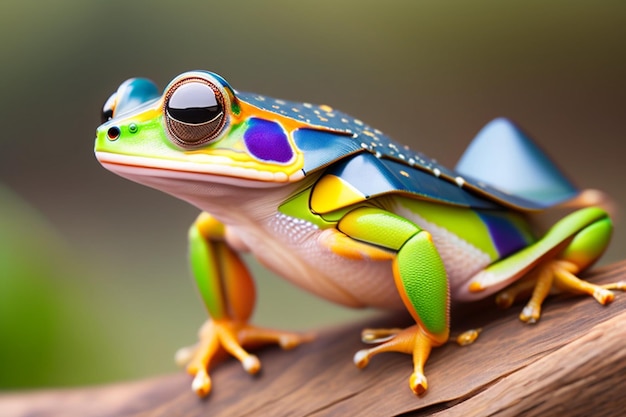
[(332, 193)]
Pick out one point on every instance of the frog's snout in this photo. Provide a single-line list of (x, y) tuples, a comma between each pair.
[(131, 94)]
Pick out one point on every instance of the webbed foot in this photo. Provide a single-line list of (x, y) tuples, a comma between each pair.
[(219, 336), (412, 340), (557, 275)]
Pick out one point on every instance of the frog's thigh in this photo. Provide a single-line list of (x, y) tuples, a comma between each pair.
[(346, 247), (589, 243), (587, 246), (580, 237), (418, 270)]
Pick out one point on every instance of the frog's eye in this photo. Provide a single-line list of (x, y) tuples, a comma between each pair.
[(108, 108), (194, 112)]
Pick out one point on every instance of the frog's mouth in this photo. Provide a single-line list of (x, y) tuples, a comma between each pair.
[(218, 170)]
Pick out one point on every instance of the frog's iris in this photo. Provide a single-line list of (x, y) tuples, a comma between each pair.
[(194, 112)]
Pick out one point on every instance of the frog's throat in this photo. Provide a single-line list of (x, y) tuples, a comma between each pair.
[(224, 172)]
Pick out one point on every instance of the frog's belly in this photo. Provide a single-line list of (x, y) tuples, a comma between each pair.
[(291, 247)]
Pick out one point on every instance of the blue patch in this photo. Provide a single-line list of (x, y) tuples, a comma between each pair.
[(267, 141), (374, 177), (503, 156), (321, 147), (134, 93)]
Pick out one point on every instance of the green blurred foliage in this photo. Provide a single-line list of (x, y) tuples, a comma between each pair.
[(93, 279), (29, 317), (49, 332)]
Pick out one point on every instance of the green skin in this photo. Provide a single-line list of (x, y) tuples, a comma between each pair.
[(380, 227), (424, 282), (384, 227)]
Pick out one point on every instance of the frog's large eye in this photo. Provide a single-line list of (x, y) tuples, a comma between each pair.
[(194, 112)]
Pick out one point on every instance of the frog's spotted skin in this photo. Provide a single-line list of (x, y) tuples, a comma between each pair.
[(356, 136), (343, 211), (362, 135), (321, 116)]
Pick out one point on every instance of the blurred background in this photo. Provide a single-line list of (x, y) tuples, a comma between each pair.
[(94, 284)]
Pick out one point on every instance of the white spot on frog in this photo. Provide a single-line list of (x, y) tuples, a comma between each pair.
[(296, 229)]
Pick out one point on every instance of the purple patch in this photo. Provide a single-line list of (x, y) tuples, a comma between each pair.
[(506, 237), (267, 141)]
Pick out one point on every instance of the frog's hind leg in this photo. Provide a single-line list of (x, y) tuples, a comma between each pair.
[(421, 279), (561, 273), (537, 285)]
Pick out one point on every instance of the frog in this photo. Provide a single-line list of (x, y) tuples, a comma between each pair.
[(343, 211)]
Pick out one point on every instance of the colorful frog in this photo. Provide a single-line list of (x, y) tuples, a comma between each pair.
[(346, 213)]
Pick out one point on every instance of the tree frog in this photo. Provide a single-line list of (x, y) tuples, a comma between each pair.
[(343, 211)]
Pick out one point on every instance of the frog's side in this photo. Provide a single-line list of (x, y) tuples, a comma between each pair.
[(343, 211)]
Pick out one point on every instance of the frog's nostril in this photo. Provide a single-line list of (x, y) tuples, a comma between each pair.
[(113, 133)]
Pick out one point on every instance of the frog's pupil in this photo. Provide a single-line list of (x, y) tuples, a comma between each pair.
[(194, 115), (193, 103)]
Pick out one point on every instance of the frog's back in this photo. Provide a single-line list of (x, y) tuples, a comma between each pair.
[(502, 167), (474, 213)]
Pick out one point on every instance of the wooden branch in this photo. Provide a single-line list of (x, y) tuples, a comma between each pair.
[(573, 362)]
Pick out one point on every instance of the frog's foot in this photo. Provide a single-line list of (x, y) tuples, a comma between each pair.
[(468, 337), (559, 275), (217, 336), (412, 340), (378, 335)]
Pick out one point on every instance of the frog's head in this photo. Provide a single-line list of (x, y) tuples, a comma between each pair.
[(198, 128)]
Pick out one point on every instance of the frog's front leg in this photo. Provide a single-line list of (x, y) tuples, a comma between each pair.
[(421, 280), (228, 293)]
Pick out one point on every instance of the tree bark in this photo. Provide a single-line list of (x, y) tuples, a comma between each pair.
[(572, 363)]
